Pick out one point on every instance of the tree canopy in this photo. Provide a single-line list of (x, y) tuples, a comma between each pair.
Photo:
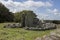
[(5, 15), (18, 15)]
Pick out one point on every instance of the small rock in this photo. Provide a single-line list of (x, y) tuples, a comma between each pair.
[(38, 38)]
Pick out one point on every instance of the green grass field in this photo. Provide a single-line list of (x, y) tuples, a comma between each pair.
[(20, 34)]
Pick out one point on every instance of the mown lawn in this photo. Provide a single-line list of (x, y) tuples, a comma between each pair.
[(20, 34)]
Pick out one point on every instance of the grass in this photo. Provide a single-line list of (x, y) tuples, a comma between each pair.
[(20, 34)]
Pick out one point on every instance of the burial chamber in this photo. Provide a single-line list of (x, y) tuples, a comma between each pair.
[(31, 23)]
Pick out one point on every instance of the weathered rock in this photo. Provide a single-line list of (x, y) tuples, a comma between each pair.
[(54, 35), (48, 26), (45, 26), (8, 26), (50, 37), (38, 38), (15, 25)]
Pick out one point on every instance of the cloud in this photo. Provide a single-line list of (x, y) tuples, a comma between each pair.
[(15, 6), (26, 5), (43, 16), (48, 4), (29, 0), (54, 11)]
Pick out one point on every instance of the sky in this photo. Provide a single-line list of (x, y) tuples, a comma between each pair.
[(44, 9)]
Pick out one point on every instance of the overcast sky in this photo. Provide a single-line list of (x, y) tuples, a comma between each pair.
[(45, 9)]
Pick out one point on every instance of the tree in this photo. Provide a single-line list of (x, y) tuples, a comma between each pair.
[(5, 15), (56, 21), (18, 15)]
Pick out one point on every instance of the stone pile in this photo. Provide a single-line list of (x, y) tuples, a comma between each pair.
[(45, 26), (48, 26), (14, 25)]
